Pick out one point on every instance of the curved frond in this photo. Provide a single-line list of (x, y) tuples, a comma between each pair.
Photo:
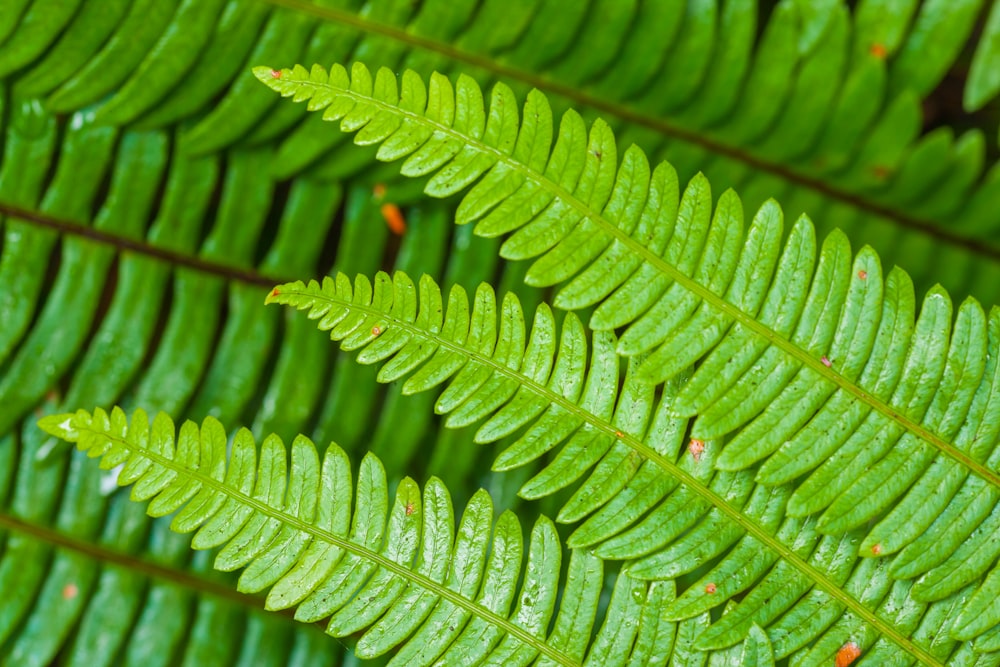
[(818, 101), (133, 274), (529, 384), (683, 280), (404, 574)]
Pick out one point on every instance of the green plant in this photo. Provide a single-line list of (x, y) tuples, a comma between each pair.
[(778, 523)]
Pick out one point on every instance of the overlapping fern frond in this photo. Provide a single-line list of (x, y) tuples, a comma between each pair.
[(404, 575), (820, 102), (136, 277), (817, 397)]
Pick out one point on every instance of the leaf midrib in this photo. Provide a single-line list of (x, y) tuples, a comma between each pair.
[(317, 533), (735, 514), (931, 228), (728, 309), (124, 244), (100, 553)]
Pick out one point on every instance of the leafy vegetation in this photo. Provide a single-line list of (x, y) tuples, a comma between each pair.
[(754, 446)]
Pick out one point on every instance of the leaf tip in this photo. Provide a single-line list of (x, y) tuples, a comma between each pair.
[(267, 75), (59, 426), (272, 296)]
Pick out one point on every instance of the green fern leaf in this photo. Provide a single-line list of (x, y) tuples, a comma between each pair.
[(564, 208), (402, 574), (567, 215), (687, 528)]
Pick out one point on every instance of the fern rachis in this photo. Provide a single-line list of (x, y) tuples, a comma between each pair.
[(500, 154)]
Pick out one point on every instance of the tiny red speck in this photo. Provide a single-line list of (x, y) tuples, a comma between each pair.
[(619, 434), (878, 50), (276, 73), (847, 654), (376, 331), (696, 447), (826, 362), (710, 588), (409, 509), (876, 549), (862, 274), (275, 292), (70, 591)]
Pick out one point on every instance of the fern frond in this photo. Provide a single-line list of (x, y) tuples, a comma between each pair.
[(571, 205), (530, 385), (819, 99), (405, 575)]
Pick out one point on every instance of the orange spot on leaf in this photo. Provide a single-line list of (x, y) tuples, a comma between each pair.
[(710, 588), (619, 434), (696, 447), (878, 50), (409, 509), (394, 219), (876, 549), (275, 292), (276, 73), (862, 274), (376, 331), (847, 654), (70, 591)]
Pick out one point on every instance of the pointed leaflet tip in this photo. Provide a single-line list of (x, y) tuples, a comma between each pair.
[(267, 75), (59, 426)]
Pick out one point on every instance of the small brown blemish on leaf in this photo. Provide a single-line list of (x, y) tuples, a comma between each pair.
[(275, 292), (619, 434), (876, 549), (276, 73), (70, 591), (710, 588), (410, 509), (862, 274), (696, 447), (878, 50), (378, 190), (376, 330), (847, 654)]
